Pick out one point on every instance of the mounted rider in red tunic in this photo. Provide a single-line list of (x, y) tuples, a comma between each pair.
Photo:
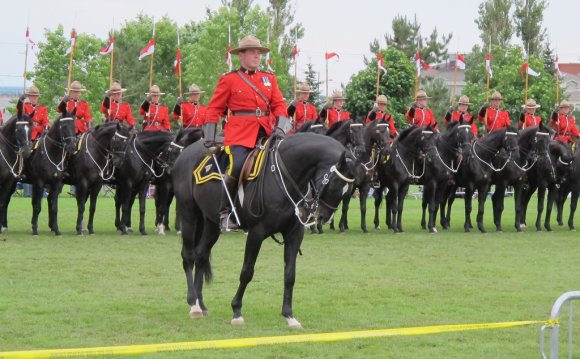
[(492, 116), (334, 113), (528, 115), (84, 119), (40, 120), (256, 108), (455, 115), (155, 115), (114, 108), (419, 115), (564, 124), (379, 113), (190, 111), (301, 110)]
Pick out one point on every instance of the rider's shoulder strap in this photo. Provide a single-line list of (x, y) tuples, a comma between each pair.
[(257, 90)]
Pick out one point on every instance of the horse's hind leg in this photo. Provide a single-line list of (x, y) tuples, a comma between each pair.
[(208, 235), (53, 207), (552, 193), (81, 197), (253, 244), (541, 198), (37, 190), (364, 191), (424, 203), (189, 231), (378, 194), (94, 195), (142, 208), (292, 242), (343, 223), (573, 205)]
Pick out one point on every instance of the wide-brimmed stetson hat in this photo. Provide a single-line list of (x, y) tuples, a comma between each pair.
[(304, 88), (155, 91), (194, 89), (33, 91), (75, 86), (564, 104), (496, 96), (530, 103), (115, 88), (421, 95), (464, 100), (337, 95), (382, 99), (249, 42)]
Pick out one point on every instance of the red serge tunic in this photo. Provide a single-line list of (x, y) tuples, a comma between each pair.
[(40, 119)]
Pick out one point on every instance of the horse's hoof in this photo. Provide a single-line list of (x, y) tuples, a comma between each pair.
[(238, 321), (178, 233), (572, 229), (523, 225), (129, 229), (144, 233), (433, 231), (3, 229), (195, 312), (293, 323)]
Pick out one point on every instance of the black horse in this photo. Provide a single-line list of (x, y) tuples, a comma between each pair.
[(14, 149), (442, 168), (300, 187), (487, 155), (376, 137), (550, 170), (91, 165), (46, 167), (163, 184), (315, 126), (134, 174), (570, 186), (403, 164)]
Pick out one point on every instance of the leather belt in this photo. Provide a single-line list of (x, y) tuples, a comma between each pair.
[(256, 113)]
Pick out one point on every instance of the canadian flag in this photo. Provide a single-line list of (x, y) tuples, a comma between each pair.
[(460, 62), (29, 40), (147, 50), (530, 71), (330, 55), (294, 52), (73, 40), (109, 48), (177, 62), (381, 62), (488, 65), (420, 64)]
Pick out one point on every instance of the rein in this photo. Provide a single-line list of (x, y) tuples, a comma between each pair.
[(19, 160), (150, 167), (101, 170)]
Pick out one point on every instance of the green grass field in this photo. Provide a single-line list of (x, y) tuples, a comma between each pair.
[(82, 291)]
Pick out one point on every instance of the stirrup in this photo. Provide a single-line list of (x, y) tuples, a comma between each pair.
[(227, 225)]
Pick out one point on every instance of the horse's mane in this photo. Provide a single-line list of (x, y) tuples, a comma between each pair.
[(183, 133), (154, 136), (406, 133), (105, 125), (528, 132), (306, 126), (9, 124), (337, 126)]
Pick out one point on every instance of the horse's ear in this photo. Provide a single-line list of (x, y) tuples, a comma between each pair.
[(19, 109), (62, 107)]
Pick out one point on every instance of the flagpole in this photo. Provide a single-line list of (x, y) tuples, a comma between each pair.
[(295, 63), (25, 61), (454, 81), (179, 64), (70, 62), (526, 90), (112, 63), (151, 60), (416, 77), (487, 71), (557, 87), (326, 58)]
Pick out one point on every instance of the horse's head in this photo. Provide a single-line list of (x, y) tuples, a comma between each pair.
[(184, 138), (23, 132), (459, 136), (561, 158), (510, 143), (118, 144), (65, 127), (356, 136), (332, 184), (315, 126), (377, 133)]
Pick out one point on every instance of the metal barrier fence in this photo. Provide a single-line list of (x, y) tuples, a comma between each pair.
[(554, 326)]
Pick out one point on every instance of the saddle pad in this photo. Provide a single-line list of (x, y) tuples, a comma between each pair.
[(80, 142), (207, 171)]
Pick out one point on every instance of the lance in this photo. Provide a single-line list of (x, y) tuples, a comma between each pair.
[(179, 64), (454, 82), (151, 59), (25, 61), (70, 62)]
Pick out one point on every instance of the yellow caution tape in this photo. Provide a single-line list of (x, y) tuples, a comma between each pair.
[(254, 342)]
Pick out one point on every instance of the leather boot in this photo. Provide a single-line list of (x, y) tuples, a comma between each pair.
[(227, 219)]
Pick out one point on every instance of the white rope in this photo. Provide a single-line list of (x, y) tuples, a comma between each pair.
[(19, 160), (444, 164), (145, 163), (489, 164), (412, 175), (101, 170), (60, 166)]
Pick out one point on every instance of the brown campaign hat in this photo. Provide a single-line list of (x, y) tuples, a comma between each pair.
[(249, 42), (115, 88), (530, 103), (75, 86), (304, 88), (496, 96), (155, 91), (33, 91), (193, 89), (337, 95), (564, 104), (464, 100), (421, 95), (382, 99)]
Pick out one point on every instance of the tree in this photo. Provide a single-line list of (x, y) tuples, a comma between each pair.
[(312, 79), (528, 18), (396, 85), (51, 69), (506, 63), (494, 22), (439, 93), (407, 38)]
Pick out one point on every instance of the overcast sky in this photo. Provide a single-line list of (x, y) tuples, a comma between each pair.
[(343, 27)]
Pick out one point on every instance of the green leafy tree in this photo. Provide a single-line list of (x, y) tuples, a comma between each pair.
[(312, 79), (528, 17), (439, 93), (506, 64), (51, 69), (396, 85), (495, 23), (407, 38)]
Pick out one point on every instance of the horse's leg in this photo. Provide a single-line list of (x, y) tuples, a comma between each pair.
[(541, 197), (292, 242), (364, 192), (424, 203), (160, 198), (177, 218), (167, 206), (253, 244), (450, 200), (81, 197), (190, 227), (37, 191), (498, 200), (391, 208), (468, 198), (55, 190), (526, 196), (94, 196), (401, 200), (561, 200), (6, 192), (142, 207), (378, 194), (573, 205), (444, 221), (552, 193), (124, 194), (118, 202), (343, 223), (481, 197), (518, 189)]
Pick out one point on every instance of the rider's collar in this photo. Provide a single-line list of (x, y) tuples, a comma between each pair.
[(246, 71)]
